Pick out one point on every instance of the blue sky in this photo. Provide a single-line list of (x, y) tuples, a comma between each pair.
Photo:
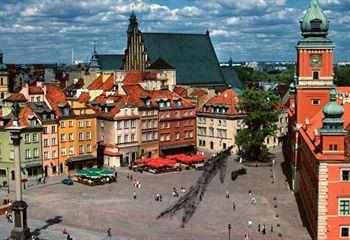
[(47, 30)]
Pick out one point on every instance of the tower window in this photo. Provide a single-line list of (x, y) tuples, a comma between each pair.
[(333, 147), (315, 74), (315, 101), (345, 175), (316, 25), (344, 231)]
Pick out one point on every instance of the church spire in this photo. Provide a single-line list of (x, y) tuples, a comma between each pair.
[(315, 23)]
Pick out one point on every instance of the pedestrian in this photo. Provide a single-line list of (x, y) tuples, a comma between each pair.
[(134, 195), (64, 231), (250, 223), (131, 177), (10, 217), (273, 162), (259, 227), (253, 200), (128, 177), (68, 237), (109, 234), (246, 236), (160, 197), (250, 193), (271, 228), (233, 206), (264, 229), (157, 197), (227, 194)]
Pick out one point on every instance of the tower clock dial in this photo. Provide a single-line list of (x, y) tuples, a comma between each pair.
[(316, 60)]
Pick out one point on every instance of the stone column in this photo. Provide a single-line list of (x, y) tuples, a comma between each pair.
[(19, 207)]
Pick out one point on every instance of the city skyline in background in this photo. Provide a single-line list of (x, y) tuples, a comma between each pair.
[(33, 31)]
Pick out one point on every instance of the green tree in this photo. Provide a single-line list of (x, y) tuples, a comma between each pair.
[(261, 116)]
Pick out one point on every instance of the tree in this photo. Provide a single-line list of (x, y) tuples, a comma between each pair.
[(260, 120)]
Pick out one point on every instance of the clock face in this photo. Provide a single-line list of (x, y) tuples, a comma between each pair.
[(316, 60)]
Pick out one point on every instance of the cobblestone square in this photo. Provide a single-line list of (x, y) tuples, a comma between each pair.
[(87, 212)]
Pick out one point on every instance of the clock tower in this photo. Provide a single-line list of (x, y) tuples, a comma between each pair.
[(314, 64)]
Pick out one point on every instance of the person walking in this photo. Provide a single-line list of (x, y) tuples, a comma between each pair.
[(271, 228), (259, 226), (250, 223), (109, 233), (134, 195), (264, 229), (233, 206), (128, 177), (227, 194)]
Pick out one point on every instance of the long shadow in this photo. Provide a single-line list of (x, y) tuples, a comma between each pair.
[(303, 215), (49, 222)]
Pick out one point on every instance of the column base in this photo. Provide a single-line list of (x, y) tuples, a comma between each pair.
[(20, 230), (21, 234)]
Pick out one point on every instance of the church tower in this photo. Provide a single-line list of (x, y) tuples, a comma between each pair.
[(4, 88), (135, 56), (314, 64)]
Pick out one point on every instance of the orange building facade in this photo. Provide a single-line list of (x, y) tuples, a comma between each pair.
[(318, 141)]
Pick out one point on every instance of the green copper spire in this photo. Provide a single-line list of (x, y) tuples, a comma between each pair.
[(315, 23), (332, 121)]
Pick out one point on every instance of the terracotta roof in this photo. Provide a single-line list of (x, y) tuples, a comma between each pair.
[(108, 84), (35, 90), (23, 117), (84, 97), (137, 93), (182, 91), (16, 97), (160, 63), (96, 84), (198, 92), (55, 96), (167, 94), (136, 77), (227, 98)]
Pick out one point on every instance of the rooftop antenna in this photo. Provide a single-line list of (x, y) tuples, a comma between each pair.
[(230, 62), (94, 46), (72, 55)]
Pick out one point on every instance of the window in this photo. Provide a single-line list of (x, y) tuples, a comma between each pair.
[(36, 152), (63, 124), (80, 136), (211, 132), (315, 25), (119, 125), (133, 123), (126, 123), (71, 124), (224, 145), (88, 136), (71, 150), (133, 137), (63, 152), (211, 145), (126, 138), (53, 142), (53, 129), (344, 207), (63, 138), (70, 137), (167, 137), (27, 153), (167, 125), (46, 142), (162, 138), (177, 136), (35, 137), (315, 101), (88, 148), (81, 124), (27, 138), (12, 154), (345, 175), (88, 123), (344, 231), (155, 136), (81, 149), (44, 130), (333, 147), (46, 155), (315, 75), (54, 154)]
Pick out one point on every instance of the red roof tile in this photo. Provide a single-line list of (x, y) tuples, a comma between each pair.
[(136, 77), (96, 84), (227, 98), (182, 91), (84, 97), (108, 84), (198, 92), (16, 97), (55, 96), (170, 95), (35, 90)]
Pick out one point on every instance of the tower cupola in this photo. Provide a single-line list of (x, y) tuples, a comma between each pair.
[(315, 23)]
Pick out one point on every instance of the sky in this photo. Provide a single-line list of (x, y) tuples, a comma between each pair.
[(45, 31)]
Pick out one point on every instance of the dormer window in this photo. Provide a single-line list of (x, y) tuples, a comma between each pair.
[(148, 102), (161, 104), (44, 116), (65, 111), (316, 25), (168, 104), (179, 103), (52, 116), (33, 122)]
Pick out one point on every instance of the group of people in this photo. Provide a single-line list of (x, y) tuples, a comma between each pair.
[(41, 180), (64, 232)]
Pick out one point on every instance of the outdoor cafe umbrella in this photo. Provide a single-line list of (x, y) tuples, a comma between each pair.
[(95, 170), (106, 173), (82, 172), (93, 175)]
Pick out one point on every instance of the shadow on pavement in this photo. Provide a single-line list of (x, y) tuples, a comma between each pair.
[(49, 222), (303, 214)]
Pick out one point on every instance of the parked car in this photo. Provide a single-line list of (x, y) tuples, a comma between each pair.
[(67, 181)]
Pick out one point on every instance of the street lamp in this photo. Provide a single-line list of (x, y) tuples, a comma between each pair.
[(229, 231), (20, 230), (8, 180)]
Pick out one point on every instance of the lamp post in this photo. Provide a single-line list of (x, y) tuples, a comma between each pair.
[(229, 231), (20, 230), (8, 180)]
